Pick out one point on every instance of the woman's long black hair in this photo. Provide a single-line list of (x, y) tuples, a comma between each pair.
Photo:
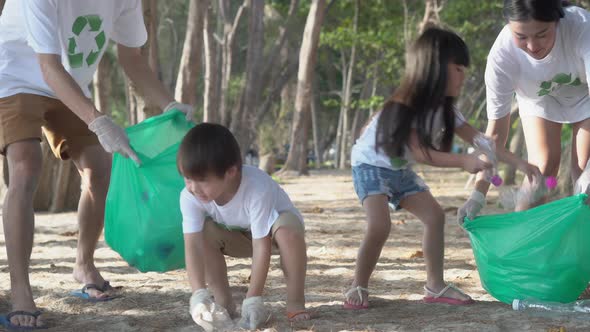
[(422, 93), (538, 10)]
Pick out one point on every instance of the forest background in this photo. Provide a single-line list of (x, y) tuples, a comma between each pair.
[(294, 80)]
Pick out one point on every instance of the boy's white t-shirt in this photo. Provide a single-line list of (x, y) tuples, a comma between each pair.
[(554, 88), (363, 151), (255, 207), (77, 30)]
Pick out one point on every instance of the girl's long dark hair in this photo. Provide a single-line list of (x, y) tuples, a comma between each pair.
[(422, 93), (538, 10)]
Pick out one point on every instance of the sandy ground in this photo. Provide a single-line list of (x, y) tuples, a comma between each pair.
[(334, 222)]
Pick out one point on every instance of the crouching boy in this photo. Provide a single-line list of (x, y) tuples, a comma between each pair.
[(230, 209)]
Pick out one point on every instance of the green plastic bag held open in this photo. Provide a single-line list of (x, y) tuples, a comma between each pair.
[(542, 253), (143, 222)]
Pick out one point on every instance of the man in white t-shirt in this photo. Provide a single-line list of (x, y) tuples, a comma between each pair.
[(542, 55), (49, 51), (238, 211)]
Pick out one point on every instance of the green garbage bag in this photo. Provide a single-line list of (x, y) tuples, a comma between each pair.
[(542, 253), (143, 222)]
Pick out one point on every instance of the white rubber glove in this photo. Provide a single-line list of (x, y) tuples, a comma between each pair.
[(184, 108), (207, 314), (582, 184), (472, 207), (112, 137), (254, 313)]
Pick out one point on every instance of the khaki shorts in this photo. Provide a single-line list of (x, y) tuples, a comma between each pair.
[(239, 243), (23, 115)]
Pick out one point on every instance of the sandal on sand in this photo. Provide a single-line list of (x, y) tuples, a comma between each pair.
[(433, 297), (291, 316), (106, 286), (360, 291), (5, 321)]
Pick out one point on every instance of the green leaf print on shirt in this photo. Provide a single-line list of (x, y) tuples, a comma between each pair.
[(76, 56), (398, 162), (546, 87)]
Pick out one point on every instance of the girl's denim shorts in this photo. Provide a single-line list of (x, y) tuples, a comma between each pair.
[(396, 184)]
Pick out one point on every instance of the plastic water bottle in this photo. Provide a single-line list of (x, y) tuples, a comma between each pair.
[(486, 146), (217, 319), (538, 189), (582, 306), (509, 197)]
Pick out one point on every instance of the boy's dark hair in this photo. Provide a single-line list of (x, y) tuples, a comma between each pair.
[(422, 94), (206, 149), (538, 10)]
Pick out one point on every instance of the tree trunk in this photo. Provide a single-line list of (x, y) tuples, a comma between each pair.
[(59, 184), (169, 69), (516, 146), (347, 94), (190, 62), (337, 155), (360, 114), (297, 158), (314, 125), (327, 140), (42, 200), (269, 78), (60, 188), (211, 99), (276, 77), (229, 31), (141, 106), (374, 92), (101, 84), (431, 17), (407, 31), (2, 5), (131, 101), (270, 72), (288, 93), (243, 114), (267, 163)]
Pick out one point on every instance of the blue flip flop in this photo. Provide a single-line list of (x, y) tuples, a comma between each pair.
[(83, 294), (5, 321)]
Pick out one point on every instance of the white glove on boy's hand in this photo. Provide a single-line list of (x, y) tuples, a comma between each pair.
[(254, 313), (184, 108), (112, 137), (472, 207), (582, 184), (207, 314)]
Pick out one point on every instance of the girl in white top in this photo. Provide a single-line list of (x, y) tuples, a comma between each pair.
[(416, 124), (542, 55)]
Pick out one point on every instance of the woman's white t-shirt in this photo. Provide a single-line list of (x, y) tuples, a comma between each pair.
[(363, 151), (255, 207), (77, 30), (554, 88)]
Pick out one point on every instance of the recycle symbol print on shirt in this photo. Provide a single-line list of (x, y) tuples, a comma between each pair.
[(80, 53)]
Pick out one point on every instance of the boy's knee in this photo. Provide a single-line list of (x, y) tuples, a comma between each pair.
[(212, 238), (286, 236), (288, 228)]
